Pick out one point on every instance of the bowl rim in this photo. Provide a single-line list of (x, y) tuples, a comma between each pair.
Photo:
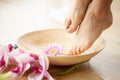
[(82, 54)]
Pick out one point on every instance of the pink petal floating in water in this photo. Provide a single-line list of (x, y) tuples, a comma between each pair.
[(53, 49)]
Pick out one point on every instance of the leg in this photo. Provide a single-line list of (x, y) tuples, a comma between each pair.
[(98, 17)]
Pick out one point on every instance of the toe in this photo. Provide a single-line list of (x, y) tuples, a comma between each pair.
[(67, 23), (78, 50), (73, 27), (86, 46), (73, 50)]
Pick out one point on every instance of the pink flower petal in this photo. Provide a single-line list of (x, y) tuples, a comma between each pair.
[(47, 75), (3, 63), (22, 57), (19, 70), (10, 47), (44, 62), (4, 59), (34, 56), (4, 50), (35, 76)]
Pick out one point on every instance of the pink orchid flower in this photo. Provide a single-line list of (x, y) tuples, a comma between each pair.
[(26, 61), (22, 61)]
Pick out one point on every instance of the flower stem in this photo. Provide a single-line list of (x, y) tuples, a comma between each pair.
[(4, 75), (69, 70)]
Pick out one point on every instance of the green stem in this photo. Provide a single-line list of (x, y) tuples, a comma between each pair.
[(69, 70), (4, 75)]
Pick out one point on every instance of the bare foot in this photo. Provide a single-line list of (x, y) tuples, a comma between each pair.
[(76, 15), (96, 20)]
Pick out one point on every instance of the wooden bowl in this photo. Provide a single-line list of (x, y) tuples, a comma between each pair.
[(36, 41)]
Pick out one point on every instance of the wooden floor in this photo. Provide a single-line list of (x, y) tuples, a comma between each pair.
[(21, 16)]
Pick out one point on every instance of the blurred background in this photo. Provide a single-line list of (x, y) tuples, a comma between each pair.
[(21, 16)]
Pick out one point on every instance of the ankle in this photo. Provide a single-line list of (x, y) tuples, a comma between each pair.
[(102, 14)]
